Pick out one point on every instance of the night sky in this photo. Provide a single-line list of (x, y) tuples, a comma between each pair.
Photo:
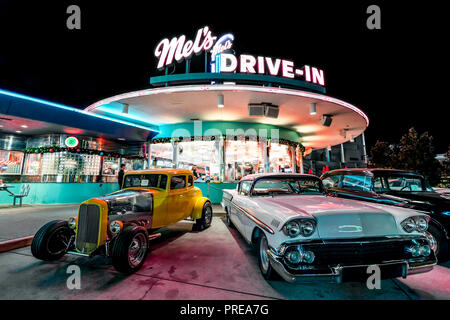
[(395, 75)]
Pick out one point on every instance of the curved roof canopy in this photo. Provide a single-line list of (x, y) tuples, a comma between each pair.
[(180, 104)]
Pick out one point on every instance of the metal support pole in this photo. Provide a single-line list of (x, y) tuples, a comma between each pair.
[(294, 158), (342, 153), (266, 156), (328, 154), (149, 152), (364, 148), (302, 170), (175, 154), (222, 172)]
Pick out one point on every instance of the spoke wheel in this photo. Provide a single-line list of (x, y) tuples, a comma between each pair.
[(137, 250), (130, 249), (58, 241), (52, 240), (208, 215), (205, 221)]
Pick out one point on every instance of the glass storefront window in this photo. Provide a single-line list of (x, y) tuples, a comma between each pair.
[(91, 165), (280, 158), (243, 158), (33, 163), (134, 164), (203, 154), (162, 155), (10, 162), (110, 166), (61, 163)]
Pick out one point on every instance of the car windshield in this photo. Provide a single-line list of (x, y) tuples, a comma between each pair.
[(288, 185), (397, 182), (149, 180)]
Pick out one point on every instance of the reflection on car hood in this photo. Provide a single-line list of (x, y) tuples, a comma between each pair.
[(311, 205), (337, 217)]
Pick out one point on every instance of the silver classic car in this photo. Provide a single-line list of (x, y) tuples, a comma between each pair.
[(301, 233)]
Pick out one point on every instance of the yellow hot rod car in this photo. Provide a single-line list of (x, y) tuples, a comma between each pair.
[(120, 225)]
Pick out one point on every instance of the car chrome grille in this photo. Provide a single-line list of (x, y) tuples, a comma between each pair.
[(359, 252), (88, 228)]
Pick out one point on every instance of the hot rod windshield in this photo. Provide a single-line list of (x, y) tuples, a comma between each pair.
[(288, 185), (148, 180)]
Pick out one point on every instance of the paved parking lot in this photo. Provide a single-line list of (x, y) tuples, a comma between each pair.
[(213, 264)]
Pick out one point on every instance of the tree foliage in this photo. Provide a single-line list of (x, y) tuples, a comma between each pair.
[(414, 152)]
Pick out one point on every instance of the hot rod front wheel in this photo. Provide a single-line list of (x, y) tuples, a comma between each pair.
[(130, 249), (206, 219), (51, 241)]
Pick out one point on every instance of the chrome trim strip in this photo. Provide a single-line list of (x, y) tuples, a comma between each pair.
[(335, 274), (254, 219), (78, 253), (353, 241)]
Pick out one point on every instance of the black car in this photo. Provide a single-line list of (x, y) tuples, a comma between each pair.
[(398, 188)]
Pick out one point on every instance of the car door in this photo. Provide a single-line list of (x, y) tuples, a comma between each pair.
[(177, 199), (189, 198), (240, 201)]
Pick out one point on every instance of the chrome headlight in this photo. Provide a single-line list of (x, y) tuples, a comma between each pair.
[(422, 224), (296, 254), (307, 228), (409, 225), (115, 227), (304, 227), (72, 222), (417, 223), (292, 229)]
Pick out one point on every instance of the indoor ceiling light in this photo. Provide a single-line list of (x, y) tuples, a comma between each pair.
[(312, 108), (18, 131), (220, 101), (24, 126)]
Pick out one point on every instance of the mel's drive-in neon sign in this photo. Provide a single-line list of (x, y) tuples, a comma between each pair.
[(223, 60)]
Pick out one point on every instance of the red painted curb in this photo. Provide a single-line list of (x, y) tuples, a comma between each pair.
[(15, 243)]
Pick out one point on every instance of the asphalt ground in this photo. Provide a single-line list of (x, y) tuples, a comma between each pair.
[(216, 263)]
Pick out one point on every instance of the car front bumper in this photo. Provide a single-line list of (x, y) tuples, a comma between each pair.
[(339, 273)]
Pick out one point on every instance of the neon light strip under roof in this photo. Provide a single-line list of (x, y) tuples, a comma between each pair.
[(61, 106), (224, 87)]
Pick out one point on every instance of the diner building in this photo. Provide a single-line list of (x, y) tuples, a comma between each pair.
[(239, 115)]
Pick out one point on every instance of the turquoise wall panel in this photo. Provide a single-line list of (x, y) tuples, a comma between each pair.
[(215, 190), (59, 193), (64, 193), (220, 127)]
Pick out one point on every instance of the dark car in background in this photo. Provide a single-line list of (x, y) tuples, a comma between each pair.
[(398, 188)]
